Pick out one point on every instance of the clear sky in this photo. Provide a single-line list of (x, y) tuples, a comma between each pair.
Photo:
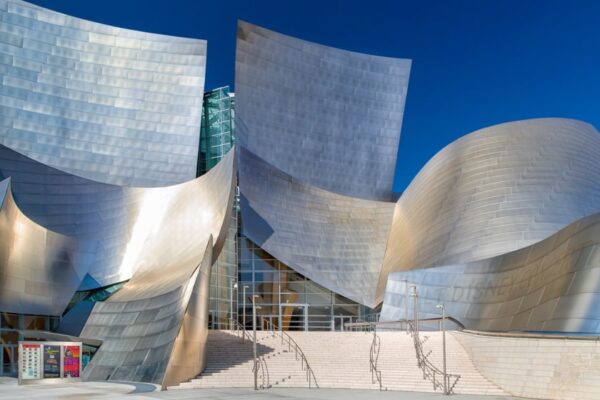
[(476, 63)]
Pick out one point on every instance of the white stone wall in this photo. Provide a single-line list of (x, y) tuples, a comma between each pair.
[(537, 368)]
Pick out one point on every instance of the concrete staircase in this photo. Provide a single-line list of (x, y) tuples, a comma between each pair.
[(230, 362), (339, 360)]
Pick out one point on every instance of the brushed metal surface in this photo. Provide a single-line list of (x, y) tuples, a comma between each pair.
[(494, 191), (38, 268), (140, 328), (109, 221), (145, 330), (336, 241), (552, 285), (328, 117), (104, 103)]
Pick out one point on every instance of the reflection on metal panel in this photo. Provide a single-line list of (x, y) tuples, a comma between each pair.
[(112, 223), (105, 103), (144, 326), (38, 267), (552, 285), (335, 240), (327, 117), (496, 190)]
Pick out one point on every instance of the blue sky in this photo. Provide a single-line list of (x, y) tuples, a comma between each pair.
[(475, 62)]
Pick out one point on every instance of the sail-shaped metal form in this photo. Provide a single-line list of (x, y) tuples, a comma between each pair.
[(318, 131), (494, 191), (335, 240), (104, 103), (165, 304), (330, 118)]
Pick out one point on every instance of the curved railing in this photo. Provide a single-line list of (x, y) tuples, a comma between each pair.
[(310, 375), (430, 371), (374, 357), (260, 365)]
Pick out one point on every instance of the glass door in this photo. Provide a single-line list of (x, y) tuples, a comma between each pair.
[(339, 321)]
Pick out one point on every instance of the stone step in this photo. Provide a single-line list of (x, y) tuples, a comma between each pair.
[(338, 360)]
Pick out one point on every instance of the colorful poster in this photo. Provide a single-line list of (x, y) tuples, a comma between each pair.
[(51, 361), (31, 361), (71, 360)]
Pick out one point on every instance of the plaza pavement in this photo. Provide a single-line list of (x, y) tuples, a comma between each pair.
[(10, 390)]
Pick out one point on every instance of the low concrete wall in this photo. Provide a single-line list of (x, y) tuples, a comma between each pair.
[(537, 367)]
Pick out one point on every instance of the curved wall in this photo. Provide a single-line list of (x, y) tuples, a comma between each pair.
[(112, 223), (105, 103), (327, 117), (38, 268), (336, 241), (552, 285), (496, 190)]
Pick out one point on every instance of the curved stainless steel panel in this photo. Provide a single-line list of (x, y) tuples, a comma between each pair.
[(111, 222), (145, 324), (549, 286), (335, 240), (139, 328), (496, 190), (38, 267), (328, 117), (109, 104)]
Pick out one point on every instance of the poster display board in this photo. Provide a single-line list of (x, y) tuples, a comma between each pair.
[(31, 367), (71, 361), (49, 361)]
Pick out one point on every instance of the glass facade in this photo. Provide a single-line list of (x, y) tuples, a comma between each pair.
[(217, 129), (288, 299), (224, 274), (9, 337), (216, 139)]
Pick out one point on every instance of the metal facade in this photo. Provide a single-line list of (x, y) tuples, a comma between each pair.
[(108, 104), (549, 286), (336, 241), (104, 218), (38, 268), (318, 131), (328, 117), (494, 191), (141, 323)]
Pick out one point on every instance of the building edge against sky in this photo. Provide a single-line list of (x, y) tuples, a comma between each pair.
[(312, 230)]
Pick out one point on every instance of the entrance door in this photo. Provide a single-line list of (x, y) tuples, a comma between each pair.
[(339, 321), (266, 322), (8, 360)]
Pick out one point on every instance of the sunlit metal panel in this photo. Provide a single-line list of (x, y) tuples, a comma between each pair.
[(104, 103), (493, 191), (330, 118)]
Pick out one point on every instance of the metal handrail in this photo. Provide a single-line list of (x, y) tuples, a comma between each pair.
[(374, 357), (430, 371), (310, 374), (402, 321), (262, 363)]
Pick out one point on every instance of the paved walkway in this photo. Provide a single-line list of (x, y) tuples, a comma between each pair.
[(9, 390)]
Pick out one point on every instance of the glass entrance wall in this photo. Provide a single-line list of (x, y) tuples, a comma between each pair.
[(9, 338), (287, 298), (216, 139)]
